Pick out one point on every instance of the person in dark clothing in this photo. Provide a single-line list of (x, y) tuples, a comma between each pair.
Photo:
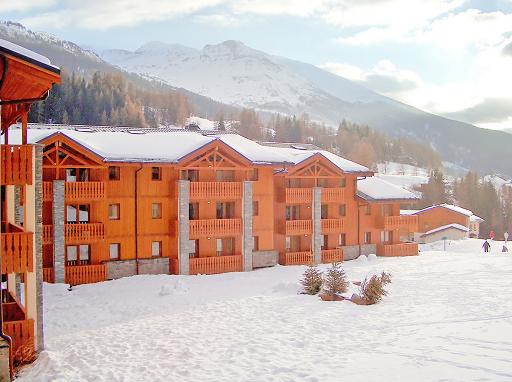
[(504, 249), (486, 246)]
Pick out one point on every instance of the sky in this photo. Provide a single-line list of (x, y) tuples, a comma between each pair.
[(448, 57)]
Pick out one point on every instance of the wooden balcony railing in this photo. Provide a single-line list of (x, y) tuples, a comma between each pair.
[(16, 162), (296, 258), (47, 191), (48, 275), (215, 228), (85, 274), (298, 227), (408, 222), (397, 250), (17, 250), (22, 336), (332, 225), (215, 190), (332, 256), (84, 233), (215, 264), (47, 234), (298, 195), (84, 190), (333, 195)]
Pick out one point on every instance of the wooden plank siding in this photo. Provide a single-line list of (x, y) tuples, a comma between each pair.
[(16, 162)]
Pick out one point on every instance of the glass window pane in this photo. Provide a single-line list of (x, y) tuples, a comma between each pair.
[(72, 253), (71, 214), (84, 253), (114, 251), (156, 248)]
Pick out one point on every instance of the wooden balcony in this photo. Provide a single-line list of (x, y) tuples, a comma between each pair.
[(48, 276), (215, 190), (406, 222), (296, 258), (16, 162), (332, 256), (17, 249), (397, 250), (22, 336), (298, 227), (84, 233), (215, 264), (332, 225), (85, 274), (47, 191), (76, 191), (47, 234), (333, 195), (298, 195), (215, 228)]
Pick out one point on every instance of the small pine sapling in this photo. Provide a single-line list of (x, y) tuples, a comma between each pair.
[(373, 289), (312, 280), (335, 280)]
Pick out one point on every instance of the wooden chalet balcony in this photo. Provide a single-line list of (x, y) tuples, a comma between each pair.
[(409, 222), (332, 256), (215, 190), (332, 225), (48, 276), (47, 191), (298, 227), (397, 250), (296, 258), (76, 191), (298, 195), (85, 274), (16, 162), (214, 228), (215, 264), (17, 249), (84, 233), (333, 195), (47, 233)]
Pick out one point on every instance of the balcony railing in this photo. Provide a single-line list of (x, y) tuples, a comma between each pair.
[(215, 264), (397, 250), (47, 191), (333, 195), (48, 276), (84, 190), (332, 256), (84, 233), (215, 190), (296, 258), (298, 227), (214, 228), (298, 195), (47, 234), (332, 225), (16, 162), (17, 249), (398, 222), (22, 336), (85, 274)]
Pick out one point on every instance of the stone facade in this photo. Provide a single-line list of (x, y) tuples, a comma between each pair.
[(351, 252), (120, 268), (184, 245), (156, 266), (38, 242), (316, 210), (58, 207), (248, 240), (262, 259), (125, 268)]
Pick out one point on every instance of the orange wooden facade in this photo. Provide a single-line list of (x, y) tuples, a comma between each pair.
[(439, 216)]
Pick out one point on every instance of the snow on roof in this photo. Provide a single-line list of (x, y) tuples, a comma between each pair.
[(203, 123), (475, 218), (408, 212), (374, 188), (445, 227), (451, 207), (27, 55)]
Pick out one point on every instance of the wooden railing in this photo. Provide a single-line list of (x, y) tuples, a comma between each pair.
[(215, 264), (215, 228), (84, 233), (298, 227), (409, 222), (298, 195), (85, 274), (22, 336), (296, 258), (215, 190), (17, 252), (333, 195), (397, 250), (47, 191), (84, 190), (332, 256), (332, 225), (16, 162), (48, 275), (47, 234)]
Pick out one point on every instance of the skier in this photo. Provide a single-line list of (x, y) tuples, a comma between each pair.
[(504, 249), (491, 235), (486, 246)]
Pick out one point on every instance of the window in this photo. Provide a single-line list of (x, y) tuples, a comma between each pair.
[(342, 210), (77, 175), (225, 210), (254, 174), (322, 182), (323, 211), (367, 237), (288, 243), (71, 175), (387, 209), (190, 175), (156, 173), (292, 243), (114, 173), (224, 175), (219, 247), (71, 254), (341, 240), (77, 254), (156, 248), (113, 211), (255, 208), (156, 210), (325, 241), (343, 182), (367, 210), (292, 212), (114, 251), (292, 182), (256, 240), (195, 252), (385, 237), (77, 213), (193, 211)]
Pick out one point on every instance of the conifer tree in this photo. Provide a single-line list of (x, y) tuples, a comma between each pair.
[(312, 280), (335, 280)]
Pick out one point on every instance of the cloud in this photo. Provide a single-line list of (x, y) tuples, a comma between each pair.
[(24, 5), (490, 110), (221, 20)]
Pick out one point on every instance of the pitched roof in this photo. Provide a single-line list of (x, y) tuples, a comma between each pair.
[(374, 189), (450, 207), (445, 227), (24, 54)]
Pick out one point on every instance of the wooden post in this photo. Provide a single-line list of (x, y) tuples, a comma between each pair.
[(24, 123)]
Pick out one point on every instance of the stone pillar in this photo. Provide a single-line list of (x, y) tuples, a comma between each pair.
[(58, 217), (316, 212), (183, 226), (18, 213), (247, 238), (5, 375)]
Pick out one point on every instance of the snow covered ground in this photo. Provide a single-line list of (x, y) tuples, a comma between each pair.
[(448, 317)]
